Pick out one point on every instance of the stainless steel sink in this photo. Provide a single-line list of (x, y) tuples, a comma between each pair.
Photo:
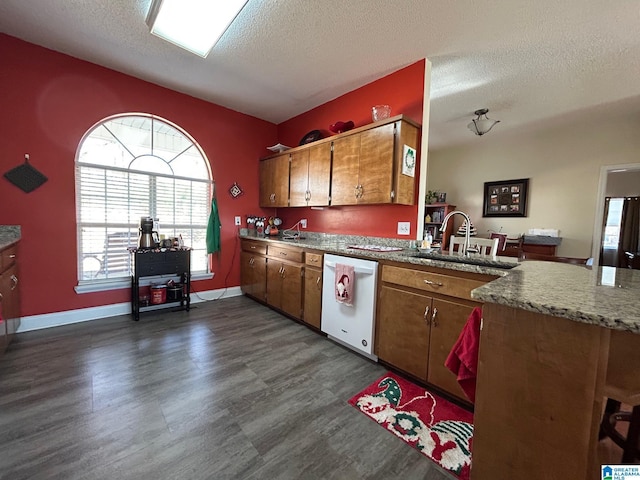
[(481, 260)]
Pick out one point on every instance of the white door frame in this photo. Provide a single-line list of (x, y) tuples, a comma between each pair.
[(602, 190)]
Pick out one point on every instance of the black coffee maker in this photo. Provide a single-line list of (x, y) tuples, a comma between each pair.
[(148, 237)]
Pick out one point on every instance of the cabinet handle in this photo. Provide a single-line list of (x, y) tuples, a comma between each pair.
[(15, 282), (253, 247), (426, 314), (318, 281), (433, 317), (272, 197), (283, 272), (360, 188), (429, 282), (356, 192), (283, 254), (13, 255), (313, 260), (251, 261)]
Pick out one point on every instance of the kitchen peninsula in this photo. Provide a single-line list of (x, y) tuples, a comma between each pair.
[(548, 346)]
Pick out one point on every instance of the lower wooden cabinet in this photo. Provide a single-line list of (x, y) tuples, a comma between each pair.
[(253, 275), (286, 278), (284, 286), (403, 330), (420, 317), (312, 308), (253, 269), (9, 296)]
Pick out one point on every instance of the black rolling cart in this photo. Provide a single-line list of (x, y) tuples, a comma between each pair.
[(152, 262)]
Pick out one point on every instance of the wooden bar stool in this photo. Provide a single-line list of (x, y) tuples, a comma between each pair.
[(622, 386)]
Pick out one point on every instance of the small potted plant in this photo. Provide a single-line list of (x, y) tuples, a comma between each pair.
[(431, 196)]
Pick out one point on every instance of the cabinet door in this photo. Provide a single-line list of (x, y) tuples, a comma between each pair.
[(291, 289), (274, 283), (312, 296), (10, 303), (376, 164), (253, 275), (319, 175), (299, 178), (274, 181), (402, 334), (260, 278), (246, 273), (344, 178), (447, 320)]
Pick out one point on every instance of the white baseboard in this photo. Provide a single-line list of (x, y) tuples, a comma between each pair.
[(57, 319)]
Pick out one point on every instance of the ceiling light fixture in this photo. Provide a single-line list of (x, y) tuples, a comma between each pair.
[(482, 124), (195, 25)]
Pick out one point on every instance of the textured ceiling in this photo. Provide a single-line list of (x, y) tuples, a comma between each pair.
[(528, 62)]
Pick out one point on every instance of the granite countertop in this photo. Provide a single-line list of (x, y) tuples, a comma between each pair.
[(339, 244), (9, 234), (602, 296)]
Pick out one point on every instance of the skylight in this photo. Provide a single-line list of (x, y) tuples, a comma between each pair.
[(195, 25)]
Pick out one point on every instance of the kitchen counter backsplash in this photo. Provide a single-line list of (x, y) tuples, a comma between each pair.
[(9, 234)]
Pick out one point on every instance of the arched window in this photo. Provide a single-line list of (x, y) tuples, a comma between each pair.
[(131, 166)]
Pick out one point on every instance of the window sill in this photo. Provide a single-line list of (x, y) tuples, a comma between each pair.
[(89, 286)]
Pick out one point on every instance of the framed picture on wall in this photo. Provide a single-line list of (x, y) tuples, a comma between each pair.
[(507, 198)]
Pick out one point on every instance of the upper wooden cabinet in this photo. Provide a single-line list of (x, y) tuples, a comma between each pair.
[(367, 166), (362, 166), (310, 176), (274, 181)]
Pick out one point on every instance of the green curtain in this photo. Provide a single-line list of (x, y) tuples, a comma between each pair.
[(213, 228)]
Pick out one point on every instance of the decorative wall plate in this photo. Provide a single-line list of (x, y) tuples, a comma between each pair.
[(235, 191), (312, 136)]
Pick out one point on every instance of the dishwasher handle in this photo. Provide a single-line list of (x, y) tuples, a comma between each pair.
[(365, 270)]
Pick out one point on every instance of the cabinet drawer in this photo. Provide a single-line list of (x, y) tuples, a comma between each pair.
[(313, 259), (254, 246), (8, 257), (285, 253), (162, 263), (430, 282)]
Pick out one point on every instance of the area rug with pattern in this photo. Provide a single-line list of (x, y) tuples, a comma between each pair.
[(440, 430)]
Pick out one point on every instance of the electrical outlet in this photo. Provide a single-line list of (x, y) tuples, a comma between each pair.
[(404, 228), (238, 220), (303, 223)]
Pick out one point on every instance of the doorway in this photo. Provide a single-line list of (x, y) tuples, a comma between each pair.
[(614, 242)]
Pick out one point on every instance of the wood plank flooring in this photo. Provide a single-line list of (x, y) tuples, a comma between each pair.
[(228, 390)]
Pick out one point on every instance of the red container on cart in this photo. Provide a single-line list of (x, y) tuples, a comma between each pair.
[(158, 294)]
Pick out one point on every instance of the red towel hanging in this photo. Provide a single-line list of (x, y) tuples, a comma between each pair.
[(463, 358)]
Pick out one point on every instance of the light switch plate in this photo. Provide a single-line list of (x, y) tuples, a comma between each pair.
[(303, 223), (404, 228), (238, 220)]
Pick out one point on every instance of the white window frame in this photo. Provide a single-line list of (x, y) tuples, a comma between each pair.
[(173, 182)]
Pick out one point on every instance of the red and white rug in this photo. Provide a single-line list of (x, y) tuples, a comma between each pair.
[(440, 430)]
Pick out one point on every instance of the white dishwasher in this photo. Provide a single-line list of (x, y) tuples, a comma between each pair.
[(350, 325)]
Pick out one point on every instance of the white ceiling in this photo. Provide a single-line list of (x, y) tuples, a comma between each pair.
[(527, 61)]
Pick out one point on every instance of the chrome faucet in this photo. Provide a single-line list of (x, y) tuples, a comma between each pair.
[(467, 233)]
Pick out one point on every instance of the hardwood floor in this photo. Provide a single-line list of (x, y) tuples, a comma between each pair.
[(230, 389)]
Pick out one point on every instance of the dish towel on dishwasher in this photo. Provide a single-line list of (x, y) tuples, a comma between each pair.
[(344, 282), (463, 358)]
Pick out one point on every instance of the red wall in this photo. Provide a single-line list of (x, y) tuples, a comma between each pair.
[(49, 100), (403, 92)]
